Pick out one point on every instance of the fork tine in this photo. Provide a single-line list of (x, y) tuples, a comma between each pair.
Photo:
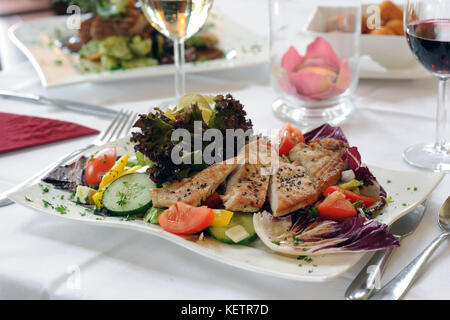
[(105, 133), (124, 124), (112, 134), (132, 122)]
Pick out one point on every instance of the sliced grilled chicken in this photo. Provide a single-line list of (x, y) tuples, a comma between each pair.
[(193, 190), (322, 159), (246, 189), (291, 189)]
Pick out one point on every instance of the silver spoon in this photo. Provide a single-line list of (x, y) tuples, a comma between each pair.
[(363, 285), (398, 286)]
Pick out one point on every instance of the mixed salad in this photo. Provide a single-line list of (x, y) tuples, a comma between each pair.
[(340, 216), (118, 36)]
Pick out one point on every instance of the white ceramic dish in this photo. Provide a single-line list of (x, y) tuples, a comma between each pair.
[(257, 257), (242, 48)]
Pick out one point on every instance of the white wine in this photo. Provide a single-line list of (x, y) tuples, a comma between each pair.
[(177, 19)]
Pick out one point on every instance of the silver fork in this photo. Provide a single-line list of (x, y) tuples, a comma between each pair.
[(118, 128)]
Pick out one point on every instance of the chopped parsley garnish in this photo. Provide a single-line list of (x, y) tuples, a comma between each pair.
[(47, 204), (357, 203), (305, 258), (286, 158), (415, 188), (61, 209), (45, 190), (122, 199), (388, 181), (28, 199), (276, 242), (297, 240)]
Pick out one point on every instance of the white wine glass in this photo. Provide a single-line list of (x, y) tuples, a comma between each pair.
[(178, 20), (427, 27)]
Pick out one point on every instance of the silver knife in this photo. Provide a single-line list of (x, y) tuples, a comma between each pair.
[(364, 285), (60, 103)]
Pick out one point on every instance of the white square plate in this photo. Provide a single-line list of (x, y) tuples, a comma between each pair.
[(242, 48), (407, 190)]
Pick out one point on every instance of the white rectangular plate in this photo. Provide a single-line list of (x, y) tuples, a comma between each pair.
[(406, 189), (242, 48)]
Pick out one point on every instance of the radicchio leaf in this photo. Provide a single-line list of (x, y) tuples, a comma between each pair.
[(300, 234), (325, 131)]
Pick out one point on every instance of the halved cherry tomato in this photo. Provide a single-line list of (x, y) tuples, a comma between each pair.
[(288, 138), (336, 207), (99, 165), (213, 201), (184, 219), (352, 196)]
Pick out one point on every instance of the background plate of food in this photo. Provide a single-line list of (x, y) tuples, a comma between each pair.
[(384, 50), (125, 46)]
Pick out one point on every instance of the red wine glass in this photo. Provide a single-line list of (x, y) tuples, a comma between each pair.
[(427, 27)]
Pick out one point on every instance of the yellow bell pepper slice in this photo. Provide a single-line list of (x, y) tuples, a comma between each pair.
[(221, 217), (115, 172), (131, 170)]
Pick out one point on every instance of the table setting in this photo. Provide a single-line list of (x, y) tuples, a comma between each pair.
[(347, 95)]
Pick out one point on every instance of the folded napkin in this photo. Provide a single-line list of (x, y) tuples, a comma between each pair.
[(19, 131)]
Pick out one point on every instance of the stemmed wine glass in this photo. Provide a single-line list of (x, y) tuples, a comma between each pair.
[(427, 27), (178, 20)]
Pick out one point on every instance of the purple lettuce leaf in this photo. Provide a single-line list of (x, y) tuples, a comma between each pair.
[(300, 233), (325, 131)]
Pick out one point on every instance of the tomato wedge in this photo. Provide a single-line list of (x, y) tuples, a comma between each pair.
[(99, 165), (288, 138), (352, 196), (336, 207), (184, 219), (213, 201)]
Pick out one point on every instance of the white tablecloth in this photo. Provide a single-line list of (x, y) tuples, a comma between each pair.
[(39, 253)]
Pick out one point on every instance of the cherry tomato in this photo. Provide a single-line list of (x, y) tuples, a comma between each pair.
[(352, 196), (336, 207), (213, 201), (288, 138), (184, 219), (99, 165)]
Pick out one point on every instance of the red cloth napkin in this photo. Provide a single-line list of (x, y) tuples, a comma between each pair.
[(19, 131)]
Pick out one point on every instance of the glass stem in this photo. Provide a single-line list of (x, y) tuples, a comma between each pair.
[(441, 116), (180, 81)]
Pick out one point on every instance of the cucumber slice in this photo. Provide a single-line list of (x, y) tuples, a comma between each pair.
[(239, 218), (129, 195)]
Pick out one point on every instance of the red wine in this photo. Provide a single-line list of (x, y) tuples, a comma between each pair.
[(429, 40)]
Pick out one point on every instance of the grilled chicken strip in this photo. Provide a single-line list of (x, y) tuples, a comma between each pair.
[(193, 190), (291, 189), (322, 159), (246, 189)]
